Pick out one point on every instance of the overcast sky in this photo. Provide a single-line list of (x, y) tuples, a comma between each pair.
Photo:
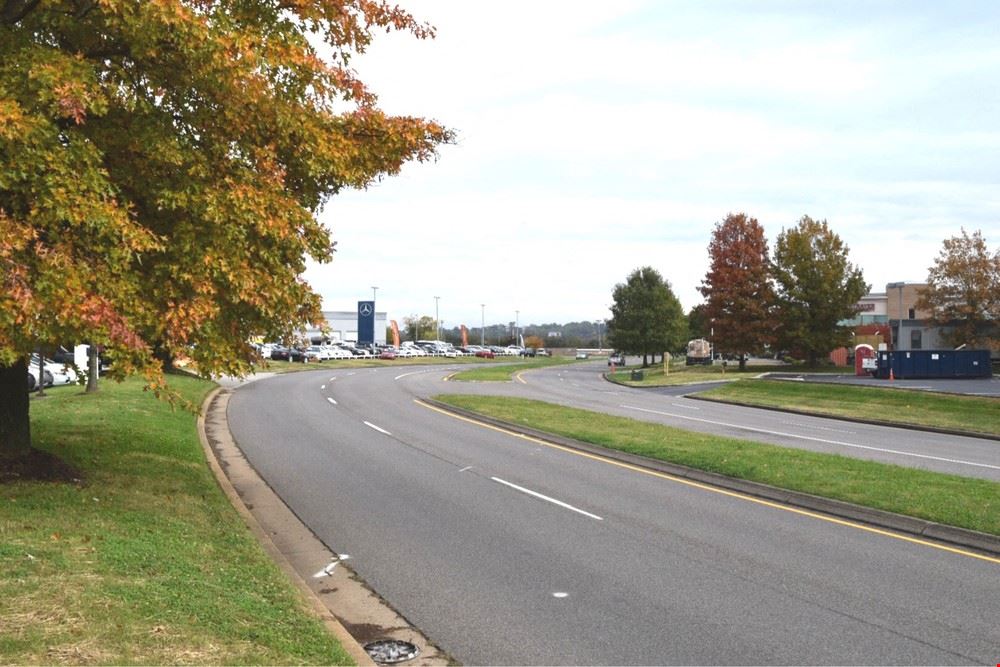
[(598, 137)]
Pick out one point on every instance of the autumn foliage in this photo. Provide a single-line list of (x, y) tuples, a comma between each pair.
[(963, 291), (739, 299), (162, 163)]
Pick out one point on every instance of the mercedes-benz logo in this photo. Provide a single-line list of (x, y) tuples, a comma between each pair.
[(365, 309)]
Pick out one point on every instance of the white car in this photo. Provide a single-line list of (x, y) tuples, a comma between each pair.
[(61, 373)]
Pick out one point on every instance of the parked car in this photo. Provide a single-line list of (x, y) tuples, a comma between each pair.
[(57, 374), (580, 354), (387, 354), (296, 354), (484, 353), (280, 353), (617, 359), (33, 378), (528, 352), (542, 352)]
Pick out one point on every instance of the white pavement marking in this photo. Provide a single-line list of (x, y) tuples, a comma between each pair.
[(410, 373), (332, 379), (332, 402), (807, 437), (380, 430), (560, 595), (686, 407), (465, 468), (819, 428), (323, 386), (545, 498)]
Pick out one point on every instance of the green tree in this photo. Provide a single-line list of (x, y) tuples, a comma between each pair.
[(162, 165), (418, 328), (646, 317), (737, 288), (816, 288), (698, 324), (963, 291)]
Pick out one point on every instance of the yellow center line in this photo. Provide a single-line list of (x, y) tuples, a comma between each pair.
[(714, 489), (517, 376)]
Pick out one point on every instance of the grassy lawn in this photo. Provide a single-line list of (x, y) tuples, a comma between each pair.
[(948, 499), (146, 562), (504, 372), (334, 364), (966, 413), (679, 373)]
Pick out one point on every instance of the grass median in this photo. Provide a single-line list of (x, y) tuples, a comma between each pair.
[(947, 499), (504, 372), (145, 561), (964, 413)]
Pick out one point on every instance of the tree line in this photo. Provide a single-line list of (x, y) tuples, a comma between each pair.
[(795, 299)]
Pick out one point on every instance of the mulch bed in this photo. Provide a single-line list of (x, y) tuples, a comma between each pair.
[(38, 466)]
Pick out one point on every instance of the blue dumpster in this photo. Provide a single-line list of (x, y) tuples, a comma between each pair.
[(934, 364)]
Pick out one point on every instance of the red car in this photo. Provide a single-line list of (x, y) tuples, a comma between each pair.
[(485, 354), (387, 354)]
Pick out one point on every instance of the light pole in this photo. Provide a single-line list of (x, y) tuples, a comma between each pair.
[(482, 326), (374, 291), (600, 347), (517, 328), (437, 322)]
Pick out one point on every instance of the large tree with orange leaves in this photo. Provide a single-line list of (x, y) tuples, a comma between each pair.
[(739, 299), (162, 163)]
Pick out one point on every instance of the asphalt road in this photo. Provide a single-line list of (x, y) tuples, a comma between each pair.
[(507, 551)]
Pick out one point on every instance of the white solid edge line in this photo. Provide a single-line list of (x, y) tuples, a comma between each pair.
[(546, 498), (380, 430), (333, 402), (823, 440)]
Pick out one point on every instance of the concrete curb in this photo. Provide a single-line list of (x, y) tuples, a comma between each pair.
[(904, 524), (332, 624), (350, 610), (854, 420)]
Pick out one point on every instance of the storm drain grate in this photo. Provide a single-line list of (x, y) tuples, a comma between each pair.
[(391, 651)]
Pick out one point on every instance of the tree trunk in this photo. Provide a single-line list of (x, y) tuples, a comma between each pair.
[(15, 429), (92, 364), (743, 362), (41, 374)]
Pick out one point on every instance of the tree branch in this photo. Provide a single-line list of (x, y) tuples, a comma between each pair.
[(15, 10)]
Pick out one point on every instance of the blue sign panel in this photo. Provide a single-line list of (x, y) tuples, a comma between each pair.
[(366, 322)]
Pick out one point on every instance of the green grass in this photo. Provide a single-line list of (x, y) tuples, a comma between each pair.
[(948, 499), (966, 413), (679, 373), (504, 372), (147, 562)]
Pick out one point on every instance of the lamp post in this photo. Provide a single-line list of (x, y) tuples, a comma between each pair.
[(600, 347), (482, 326), (437, 322), (517, 327)]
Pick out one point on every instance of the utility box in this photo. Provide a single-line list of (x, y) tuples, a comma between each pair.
[(934, 364), (864, 360), (637, 375)]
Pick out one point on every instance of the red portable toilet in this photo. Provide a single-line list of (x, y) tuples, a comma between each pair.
[(864, 360)]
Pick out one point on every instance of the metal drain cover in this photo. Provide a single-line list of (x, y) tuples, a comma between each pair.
[(391, 651)]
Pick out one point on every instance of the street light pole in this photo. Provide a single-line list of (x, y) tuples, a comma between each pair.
[(517, 328), (482, 326), (437, 322)]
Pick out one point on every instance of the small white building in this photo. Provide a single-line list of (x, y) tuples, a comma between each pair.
[(342, 326)]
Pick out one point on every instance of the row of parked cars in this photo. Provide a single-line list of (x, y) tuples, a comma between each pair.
[(408, 349)]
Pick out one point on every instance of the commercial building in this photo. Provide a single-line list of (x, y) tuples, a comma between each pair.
[(342, 326)]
